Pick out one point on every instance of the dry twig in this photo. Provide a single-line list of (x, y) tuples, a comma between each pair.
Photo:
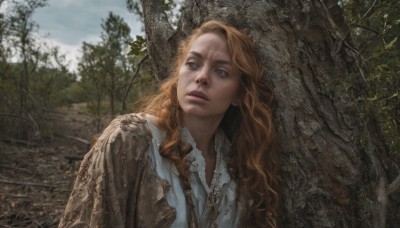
[(26, 184)]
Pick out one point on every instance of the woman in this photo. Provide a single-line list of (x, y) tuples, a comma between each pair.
[(200, 154)]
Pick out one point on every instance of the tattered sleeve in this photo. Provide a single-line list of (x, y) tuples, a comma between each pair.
[(104, 191)]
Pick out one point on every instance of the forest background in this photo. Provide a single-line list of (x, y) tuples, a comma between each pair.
[(113, 74)]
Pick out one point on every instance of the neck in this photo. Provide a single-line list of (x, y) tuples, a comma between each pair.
[(202, 131)]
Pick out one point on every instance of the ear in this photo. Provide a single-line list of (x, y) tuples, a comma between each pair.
[(235, 103)]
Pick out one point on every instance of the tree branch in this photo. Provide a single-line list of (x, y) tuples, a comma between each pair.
[(369, 10), (366, 27), (131, 82), (26, 183), (394, 186), (29, 118), (84, 141)]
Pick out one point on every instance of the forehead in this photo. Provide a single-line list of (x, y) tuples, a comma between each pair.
[(210, 42)]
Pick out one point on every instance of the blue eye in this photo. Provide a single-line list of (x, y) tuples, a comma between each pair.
[(221, 73), (192, 65)]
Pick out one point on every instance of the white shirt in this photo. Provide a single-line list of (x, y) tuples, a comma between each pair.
[(221, 193)]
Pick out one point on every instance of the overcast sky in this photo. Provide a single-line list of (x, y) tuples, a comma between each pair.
[(70, 22)]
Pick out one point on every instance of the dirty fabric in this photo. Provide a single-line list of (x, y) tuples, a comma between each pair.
[(120, 183), (215, 205)]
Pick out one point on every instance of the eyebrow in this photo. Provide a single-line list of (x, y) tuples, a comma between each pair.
[(198, 55)]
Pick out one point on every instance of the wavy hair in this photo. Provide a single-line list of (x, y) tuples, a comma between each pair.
[(249, 126)]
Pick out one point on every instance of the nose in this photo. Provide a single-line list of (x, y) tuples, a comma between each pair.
[(202, 78)]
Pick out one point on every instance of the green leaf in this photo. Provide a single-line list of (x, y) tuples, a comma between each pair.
[(139, 46), (169, 4)]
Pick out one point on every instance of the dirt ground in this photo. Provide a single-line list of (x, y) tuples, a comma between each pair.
[(35, 180)]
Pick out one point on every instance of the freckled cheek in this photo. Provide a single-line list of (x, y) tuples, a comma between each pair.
[(185, 78), (179, 88), (231, 91), (182, 84)]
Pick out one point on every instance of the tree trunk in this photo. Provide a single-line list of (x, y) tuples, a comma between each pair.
[(335, 172)]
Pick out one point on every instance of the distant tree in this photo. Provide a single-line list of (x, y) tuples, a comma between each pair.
[(115, 61), (335, 170), (33, 75), (110, 71), (2, 31), (51, 79), (135, 8), (20, 58), (3, 50), (21, 31), (93, 78)]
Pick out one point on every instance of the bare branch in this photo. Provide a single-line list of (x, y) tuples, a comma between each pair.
[(19, 141), (369, 10), (367, 28), (26, 183), (131, 82), (394, 186), (84, 141)]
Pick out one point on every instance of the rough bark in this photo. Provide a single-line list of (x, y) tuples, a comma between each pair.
[(335, 172), (161, 36)]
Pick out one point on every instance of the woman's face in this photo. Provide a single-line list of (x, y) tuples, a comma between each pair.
[(208, 83)]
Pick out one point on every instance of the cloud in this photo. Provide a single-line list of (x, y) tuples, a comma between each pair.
[(68, 23), (71, 53)]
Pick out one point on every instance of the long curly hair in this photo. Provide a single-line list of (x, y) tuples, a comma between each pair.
[(249, 126)]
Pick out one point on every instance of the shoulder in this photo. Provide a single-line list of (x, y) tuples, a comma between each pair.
[(126, 129), (133, 124)]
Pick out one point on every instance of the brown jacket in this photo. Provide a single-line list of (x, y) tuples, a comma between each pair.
[(116, 186)]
